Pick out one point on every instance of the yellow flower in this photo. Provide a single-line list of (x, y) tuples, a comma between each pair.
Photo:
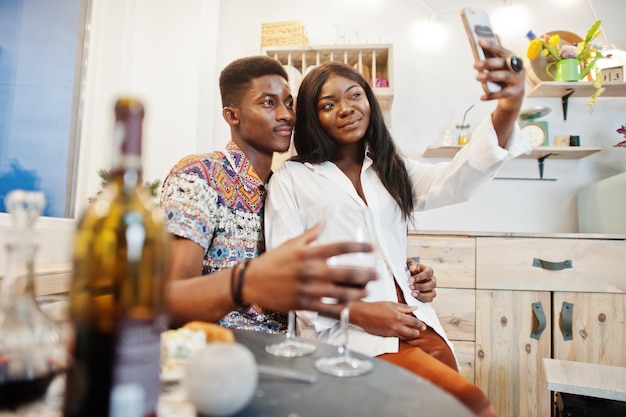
[(585, 52), (534, 48), (597, 84), (554, 40)]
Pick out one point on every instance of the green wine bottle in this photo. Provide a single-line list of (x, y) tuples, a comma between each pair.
[(117, 305)]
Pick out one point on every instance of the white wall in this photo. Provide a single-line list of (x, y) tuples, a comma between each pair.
[(433, 88), (169, 53), (162, 52)]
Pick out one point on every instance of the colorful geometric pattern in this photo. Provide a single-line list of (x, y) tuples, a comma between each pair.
[(216, 200)]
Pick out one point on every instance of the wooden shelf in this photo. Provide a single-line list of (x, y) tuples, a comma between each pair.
[(372, 59), (578, 89), (557, 152), (565, 90)]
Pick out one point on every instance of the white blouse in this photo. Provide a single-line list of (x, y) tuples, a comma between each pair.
[(309, 186)]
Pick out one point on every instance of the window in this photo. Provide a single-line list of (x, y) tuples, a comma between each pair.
[(41, 55)]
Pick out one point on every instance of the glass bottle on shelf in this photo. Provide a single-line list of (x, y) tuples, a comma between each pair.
[(32, 347), (463, 133)]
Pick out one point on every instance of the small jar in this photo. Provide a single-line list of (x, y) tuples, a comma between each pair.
[(448, 138), (463, 133)]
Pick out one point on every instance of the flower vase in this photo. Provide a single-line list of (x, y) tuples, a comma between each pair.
[(565, 70)]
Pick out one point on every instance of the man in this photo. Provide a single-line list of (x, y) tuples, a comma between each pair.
[(214, 205)]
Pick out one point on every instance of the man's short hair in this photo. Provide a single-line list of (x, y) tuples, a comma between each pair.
[(236, 78)]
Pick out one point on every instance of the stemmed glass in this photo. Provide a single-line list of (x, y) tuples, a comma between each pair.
[(283, 224), (347, 223)]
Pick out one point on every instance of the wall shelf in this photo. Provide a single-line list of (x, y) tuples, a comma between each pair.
[(565, 90), (372, 60), (579, 89), (554, 152), (540, 153)]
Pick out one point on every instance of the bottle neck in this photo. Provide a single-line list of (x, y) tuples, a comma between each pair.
[(127, 179), (126, 166)]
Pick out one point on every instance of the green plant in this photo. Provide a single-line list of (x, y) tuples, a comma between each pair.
[(105, 177), (585, 52)]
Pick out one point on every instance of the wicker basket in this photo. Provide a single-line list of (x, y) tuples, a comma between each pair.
[(283, 34)]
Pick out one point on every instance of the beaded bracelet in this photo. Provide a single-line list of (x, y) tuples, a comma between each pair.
[(235, 288)]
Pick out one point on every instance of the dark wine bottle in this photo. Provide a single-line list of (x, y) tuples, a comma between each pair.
[(117, 306)]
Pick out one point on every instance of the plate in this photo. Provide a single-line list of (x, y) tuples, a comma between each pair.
[(536, 72), (532, 113)]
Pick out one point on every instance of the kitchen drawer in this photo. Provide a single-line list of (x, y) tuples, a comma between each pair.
[(515, 263), (453, 259)]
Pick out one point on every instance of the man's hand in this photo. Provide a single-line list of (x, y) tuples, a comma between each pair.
[(422, 281), (296, 276)]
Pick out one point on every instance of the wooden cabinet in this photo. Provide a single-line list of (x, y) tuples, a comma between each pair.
[(508, 361), (453, 260), (535, 297)]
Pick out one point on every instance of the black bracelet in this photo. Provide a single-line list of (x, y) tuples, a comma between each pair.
[(236, 289), (233, 276)]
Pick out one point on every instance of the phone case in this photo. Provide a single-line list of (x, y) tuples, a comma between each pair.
[(478, 26)]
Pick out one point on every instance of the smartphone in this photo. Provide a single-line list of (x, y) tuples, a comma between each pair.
[(478, 26)]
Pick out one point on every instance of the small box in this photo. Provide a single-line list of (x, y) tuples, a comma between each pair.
[(561, 140), (289, 33), (613, 75)]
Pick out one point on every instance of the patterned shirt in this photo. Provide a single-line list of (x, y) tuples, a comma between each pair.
[(216, 200)]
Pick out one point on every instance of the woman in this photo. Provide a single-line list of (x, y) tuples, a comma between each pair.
[(345, 155)]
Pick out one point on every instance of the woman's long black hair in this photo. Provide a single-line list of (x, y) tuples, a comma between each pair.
[(315, 146)]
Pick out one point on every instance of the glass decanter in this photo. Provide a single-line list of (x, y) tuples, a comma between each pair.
[(32, 349)]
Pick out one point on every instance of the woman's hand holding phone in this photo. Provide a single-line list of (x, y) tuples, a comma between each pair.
[(499, 79)]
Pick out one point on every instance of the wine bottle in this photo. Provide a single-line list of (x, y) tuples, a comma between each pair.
[(117, 307)]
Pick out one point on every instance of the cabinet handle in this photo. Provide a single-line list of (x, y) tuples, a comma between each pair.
[(567, 313), (541, 319), (552, 266)]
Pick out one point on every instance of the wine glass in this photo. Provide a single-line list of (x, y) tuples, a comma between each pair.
[(347, 223), (284, 224)]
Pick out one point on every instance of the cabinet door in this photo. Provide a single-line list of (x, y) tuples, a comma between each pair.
[(456, 309), (509, 366), (598, 327), (453, 261)]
